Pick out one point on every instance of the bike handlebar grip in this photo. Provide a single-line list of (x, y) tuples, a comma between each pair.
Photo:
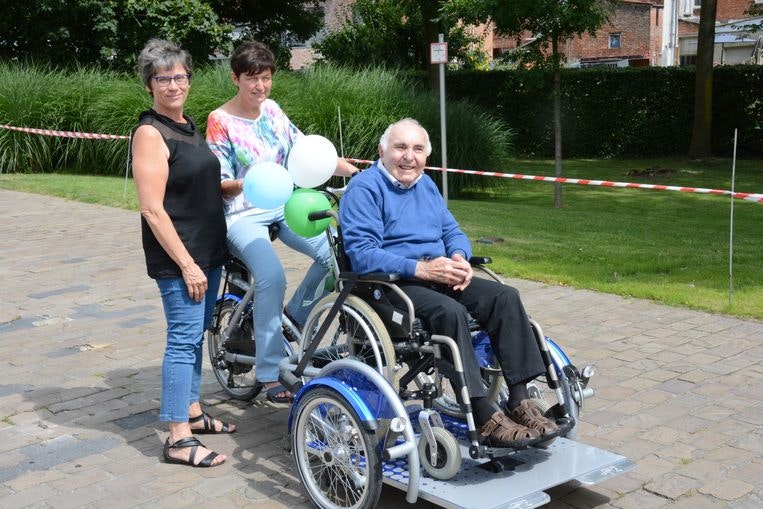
[(318, 214)]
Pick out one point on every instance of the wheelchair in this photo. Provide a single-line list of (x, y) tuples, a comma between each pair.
[(378, 400)]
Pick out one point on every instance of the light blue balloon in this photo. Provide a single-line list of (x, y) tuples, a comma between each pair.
[(267, 185)]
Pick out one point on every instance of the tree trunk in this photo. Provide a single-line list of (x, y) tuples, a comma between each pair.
[(432, 30), (557, 122), (702, 129)]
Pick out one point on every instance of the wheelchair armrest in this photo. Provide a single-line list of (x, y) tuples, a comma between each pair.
[(387, 277), (480, 260), (382, 277)]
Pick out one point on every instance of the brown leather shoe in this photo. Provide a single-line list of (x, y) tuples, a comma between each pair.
[(527, 414), (500, 430)]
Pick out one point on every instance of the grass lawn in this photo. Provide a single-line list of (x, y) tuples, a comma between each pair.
[(667, 246)]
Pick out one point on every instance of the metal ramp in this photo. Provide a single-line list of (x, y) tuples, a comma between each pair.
[(519, 486), (527, 473)]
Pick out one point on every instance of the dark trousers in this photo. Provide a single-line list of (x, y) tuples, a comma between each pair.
[(498, 309)]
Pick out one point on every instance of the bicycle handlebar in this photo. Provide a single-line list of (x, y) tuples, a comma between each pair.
[(322, 214), (336, 190)]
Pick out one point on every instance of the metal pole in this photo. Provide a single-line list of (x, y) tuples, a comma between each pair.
[(443, 135), (127, 165), (341, 141), (731, 223)]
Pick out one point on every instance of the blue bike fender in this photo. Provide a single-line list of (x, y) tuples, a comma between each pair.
[(558, 356), (227, 296), (359, 392)]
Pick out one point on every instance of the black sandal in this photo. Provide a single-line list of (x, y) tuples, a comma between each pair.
[(209, 425), (194, 444)]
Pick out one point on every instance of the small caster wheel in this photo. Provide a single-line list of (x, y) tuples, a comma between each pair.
[(448, 460)]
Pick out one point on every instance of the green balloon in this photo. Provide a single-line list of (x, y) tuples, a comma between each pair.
[(301, 203)]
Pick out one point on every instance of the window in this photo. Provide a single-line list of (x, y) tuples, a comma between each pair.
[(687, 50), (697, 4), (685, 60), (614, 40)]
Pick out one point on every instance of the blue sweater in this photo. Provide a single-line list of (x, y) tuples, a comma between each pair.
[(387, 229)]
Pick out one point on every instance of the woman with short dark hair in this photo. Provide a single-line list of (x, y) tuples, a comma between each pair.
[(248, 129)]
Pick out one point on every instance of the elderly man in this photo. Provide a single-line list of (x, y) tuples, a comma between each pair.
[(395, 220)]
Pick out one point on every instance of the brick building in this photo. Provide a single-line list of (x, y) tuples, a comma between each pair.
[(733, 44), (656, 32), (631, 37), (639, 33), (335, 13)]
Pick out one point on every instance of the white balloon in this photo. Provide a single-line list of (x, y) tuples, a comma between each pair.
[(312, 161)]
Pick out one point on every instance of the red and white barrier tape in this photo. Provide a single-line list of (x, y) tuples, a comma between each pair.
[(66, 134), (754, 197)]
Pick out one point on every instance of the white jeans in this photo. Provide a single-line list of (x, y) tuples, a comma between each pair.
[(249, 240)]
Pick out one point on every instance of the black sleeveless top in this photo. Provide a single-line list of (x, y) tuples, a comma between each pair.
[(193, 199)]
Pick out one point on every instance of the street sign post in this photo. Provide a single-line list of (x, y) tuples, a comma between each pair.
[(438, 55)]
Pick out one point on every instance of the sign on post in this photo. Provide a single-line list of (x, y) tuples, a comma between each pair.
[(438, 53)]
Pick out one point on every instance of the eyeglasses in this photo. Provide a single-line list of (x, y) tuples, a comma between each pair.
[(180, 79)]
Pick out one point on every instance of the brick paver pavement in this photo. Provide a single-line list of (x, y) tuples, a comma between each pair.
[(81, 341)]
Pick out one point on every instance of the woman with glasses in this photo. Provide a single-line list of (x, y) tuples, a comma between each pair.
[(248, 129), (183, 228)]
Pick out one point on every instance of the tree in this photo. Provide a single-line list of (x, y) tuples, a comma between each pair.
[(701, 133), (56, 32), (395, 33), (190, 23), (755, 9), (551, 22), (277, 23), (106, 32)]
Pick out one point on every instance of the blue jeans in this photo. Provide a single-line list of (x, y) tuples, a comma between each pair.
[(186, 322), (249, 240)]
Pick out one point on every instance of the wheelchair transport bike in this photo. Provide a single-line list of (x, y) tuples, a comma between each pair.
[(230, 340), (378, 401)]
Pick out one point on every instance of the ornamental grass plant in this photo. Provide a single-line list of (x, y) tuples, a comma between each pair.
[(106, 102)]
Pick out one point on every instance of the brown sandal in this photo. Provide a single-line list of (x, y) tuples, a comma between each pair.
[(527, 414), (500, 431)]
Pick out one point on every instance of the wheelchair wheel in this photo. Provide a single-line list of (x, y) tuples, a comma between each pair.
[(236, 379), (448, 460), (338, 460), (356, 331)]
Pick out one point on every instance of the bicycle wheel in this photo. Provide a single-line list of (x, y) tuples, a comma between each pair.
[(338, 460), (236, 379), (356, 331)]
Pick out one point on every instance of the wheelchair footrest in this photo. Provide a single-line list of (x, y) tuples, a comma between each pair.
[(497, 465)]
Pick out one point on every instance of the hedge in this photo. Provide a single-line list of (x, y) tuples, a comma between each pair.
[(608, 112)]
